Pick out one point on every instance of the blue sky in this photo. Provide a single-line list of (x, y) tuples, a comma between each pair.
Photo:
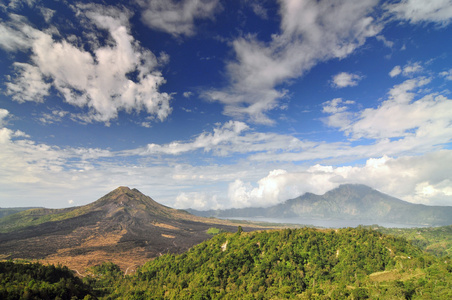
[(217, 104)]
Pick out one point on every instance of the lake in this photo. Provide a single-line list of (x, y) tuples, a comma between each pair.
[(324, 223)]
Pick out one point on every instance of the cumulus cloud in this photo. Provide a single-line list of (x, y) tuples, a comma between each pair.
[(99, 79), (401, 116), (311, 31), (345, 79), (197, 200), (177, 17), (417, 179), (408, 70), (417, 11), (395, 71)]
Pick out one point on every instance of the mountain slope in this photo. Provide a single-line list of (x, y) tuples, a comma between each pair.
[(124, 226), (12, 210), (347, 202)]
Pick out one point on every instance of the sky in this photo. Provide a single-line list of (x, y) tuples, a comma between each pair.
[(210, 104)]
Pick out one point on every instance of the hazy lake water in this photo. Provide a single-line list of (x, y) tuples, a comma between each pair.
[(324, 223)]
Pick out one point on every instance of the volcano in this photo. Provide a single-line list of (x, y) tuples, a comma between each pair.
[(124, 227)]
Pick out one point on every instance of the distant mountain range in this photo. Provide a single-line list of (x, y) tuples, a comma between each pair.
[(125, 227), (347, 202), (12, 210)]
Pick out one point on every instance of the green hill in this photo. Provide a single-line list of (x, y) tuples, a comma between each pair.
[(434, 240), (294, 263), (352, 263)]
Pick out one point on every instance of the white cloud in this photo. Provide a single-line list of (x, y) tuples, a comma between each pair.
[(447, 74), (418, 179), (344, 79), (333, 106), (259, 9), (400, 116), (28, 85), (47, 13), (12, 39), (225, 135), (233, 137), (412, 68), (177, 17), (276, 187), (311, 32), (416, 11), (340, 116), (88, 173), (395, 71), (53, 117), (3, 114), (196, 200), (408, 70), (386, 42), (187, 94), (96, 80)]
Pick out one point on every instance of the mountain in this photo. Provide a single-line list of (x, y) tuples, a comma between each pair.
[(125, 227), (347, 202), (12, 210)]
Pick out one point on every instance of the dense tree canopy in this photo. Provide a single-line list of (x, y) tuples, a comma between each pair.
[(35, 281), (279, 264), (290, 263)]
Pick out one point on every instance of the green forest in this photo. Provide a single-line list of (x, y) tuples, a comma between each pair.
[(304, 263)]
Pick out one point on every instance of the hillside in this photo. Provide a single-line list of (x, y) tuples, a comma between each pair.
[(12, 210), (347, 202), (434, 240), (294, 263), (352, 263), (124, 227)]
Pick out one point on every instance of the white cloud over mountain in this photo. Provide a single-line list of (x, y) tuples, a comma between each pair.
[(425, 175), (390, 132)]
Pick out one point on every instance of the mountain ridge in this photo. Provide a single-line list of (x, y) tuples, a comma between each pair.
[(346, 202)]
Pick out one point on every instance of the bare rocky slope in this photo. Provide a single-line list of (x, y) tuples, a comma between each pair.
[(125, 227)]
